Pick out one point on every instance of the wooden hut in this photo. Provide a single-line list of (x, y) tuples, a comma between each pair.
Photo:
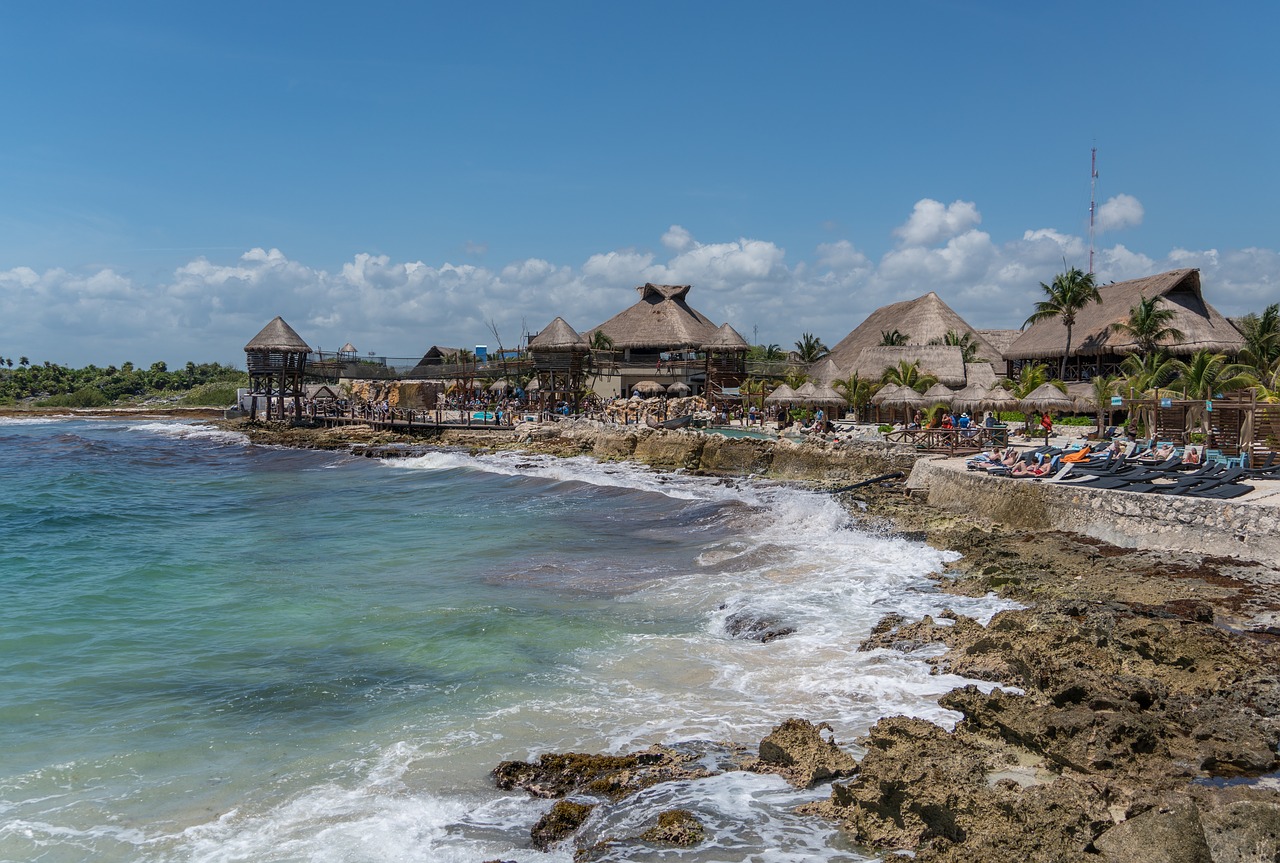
[(726, 360), (1097, 349), (560, 361), (276, 359)]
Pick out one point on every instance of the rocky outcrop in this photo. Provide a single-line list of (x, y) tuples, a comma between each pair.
[(797, 751), (1170, 832), (753, 626), (612, 777), (560, 822), (677, 827)]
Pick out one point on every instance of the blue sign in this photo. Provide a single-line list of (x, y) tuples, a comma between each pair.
[(1166, 403), (1208, 406), (1117, 401), (482, 353)]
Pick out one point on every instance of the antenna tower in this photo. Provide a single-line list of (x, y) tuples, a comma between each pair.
[(1093, 189)]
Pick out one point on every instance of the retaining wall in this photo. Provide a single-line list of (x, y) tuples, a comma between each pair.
[(1121, 518)]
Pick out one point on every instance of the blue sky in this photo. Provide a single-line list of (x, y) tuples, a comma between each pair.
[(401, 175)]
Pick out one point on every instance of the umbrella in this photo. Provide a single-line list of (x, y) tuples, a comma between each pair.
[(678, 388), (649, 388), (1046, 397), (805, 390), (970, 398), (999, 399), (499, 387), (939, 394), (782, 394), (533, 386), (826, 395), (888, 395)]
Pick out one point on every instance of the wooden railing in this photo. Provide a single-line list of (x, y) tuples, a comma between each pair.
[(951, 440)]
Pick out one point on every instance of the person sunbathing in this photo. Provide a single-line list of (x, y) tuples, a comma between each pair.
[(1158, 454), (1024, 469)]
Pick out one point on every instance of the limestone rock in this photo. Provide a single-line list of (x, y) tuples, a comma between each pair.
[(750, 626), (1169, 833), (797, 751), (561, 821), (611, 776), (677, 827), (1243, 832)]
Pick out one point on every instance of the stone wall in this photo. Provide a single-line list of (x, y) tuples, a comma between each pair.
[(1126, 519)]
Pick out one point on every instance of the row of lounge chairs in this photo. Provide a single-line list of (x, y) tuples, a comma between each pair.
[(1171, 476)]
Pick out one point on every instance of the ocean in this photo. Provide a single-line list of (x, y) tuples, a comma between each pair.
[(214, 651)]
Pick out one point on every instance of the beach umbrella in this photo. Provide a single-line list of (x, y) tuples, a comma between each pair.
[(970, 398), (499, 387), (887, 396), (805, 391), (648, 388), (533, 386), (678, 388), (999, 399), (1046, 397), (939, 394), (782, 394), (826, 395)]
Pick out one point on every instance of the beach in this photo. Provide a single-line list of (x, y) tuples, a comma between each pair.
[(1053, 690)]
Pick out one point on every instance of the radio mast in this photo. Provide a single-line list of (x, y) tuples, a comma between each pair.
[(1093, 189)]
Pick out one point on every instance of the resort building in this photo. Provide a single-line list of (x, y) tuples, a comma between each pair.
[(1097, 349)]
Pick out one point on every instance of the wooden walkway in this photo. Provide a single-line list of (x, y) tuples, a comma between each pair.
[(414, 422), (952, 441)]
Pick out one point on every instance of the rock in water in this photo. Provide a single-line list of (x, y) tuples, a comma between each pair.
[(561, 821), (750, 626), (796, 751), (676, 827)]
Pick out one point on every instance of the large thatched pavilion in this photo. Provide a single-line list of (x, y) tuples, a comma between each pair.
[(660, 337), (920, 321), (1097, 349)]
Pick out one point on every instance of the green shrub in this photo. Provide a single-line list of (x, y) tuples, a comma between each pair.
[(217, 394), (85, 397)]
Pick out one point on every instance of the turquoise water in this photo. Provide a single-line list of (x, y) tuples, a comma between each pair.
[(212, 651)]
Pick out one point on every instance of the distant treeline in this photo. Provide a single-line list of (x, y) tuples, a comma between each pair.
[(92, 386)]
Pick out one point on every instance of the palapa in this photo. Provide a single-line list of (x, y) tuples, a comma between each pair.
[(921, 320), (727, 339), (970, 398), (678, 388), (648, 388), (825, 371), (806, 389), (277, 336), (558, 336), (661, 320), (825, 395), (1201, 325), (783, 394), (999, 399), (888, 395), (939, 394), (943, 362), (1046, 397)]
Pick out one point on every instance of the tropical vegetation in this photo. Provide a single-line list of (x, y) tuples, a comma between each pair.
[(1064, 298), (1149, 325), (53, 385)]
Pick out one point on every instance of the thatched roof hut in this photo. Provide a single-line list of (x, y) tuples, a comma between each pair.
[(944, 362), (824, 394), (558, 336), (725, 339), (661, 320), (1202, 326), (277, 336), (939, 394), (648, 388), (971, 398), (921, 320)]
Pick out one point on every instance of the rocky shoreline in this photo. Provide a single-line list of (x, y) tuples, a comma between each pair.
[(1139, 718)]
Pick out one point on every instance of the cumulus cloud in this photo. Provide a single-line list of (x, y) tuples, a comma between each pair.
[(207, 309), (1122, 211), (931, 222)]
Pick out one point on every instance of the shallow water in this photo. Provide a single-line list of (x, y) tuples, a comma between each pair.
[(212, 651)]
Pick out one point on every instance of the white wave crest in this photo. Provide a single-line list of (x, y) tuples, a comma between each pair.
[(191, 431)]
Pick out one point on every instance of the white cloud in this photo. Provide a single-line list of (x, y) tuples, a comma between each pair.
[(1122, 211), (931, 222), (207, 310)]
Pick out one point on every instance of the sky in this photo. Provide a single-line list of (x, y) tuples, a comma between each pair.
[(401, 175)]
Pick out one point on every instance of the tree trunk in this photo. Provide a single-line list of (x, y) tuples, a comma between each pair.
[(1062, 370)]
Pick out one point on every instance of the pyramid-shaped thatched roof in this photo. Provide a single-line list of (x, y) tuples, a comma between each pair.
[(979, 373), (1202, 326), (921, 320), (277, 336), (824, 371), (944, 362), (661, 320), (726, 338), (558, 336), (1000, 339)]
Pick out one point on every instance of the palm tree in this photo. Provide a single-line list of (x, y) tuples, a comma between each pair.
[(600, 341), (964, 341), (1104, 387), (795, 378), (1207, 375), (24, 362), (908, 374), (1261, 338), (1141, 373), (1031, 377), (856, 391), (811, 348), (1148, 325), (893, 339), (1070, 292)]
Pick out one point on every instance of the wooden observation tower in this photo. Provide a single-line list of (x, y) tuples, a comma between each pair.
[(559, 359), (276, 359)]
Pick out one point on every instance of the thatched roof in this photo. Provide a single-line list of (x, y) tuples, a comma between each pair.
[(558, 336), (348, 348), (824, 394), (889, 394), (727, 339), (971, 398), (939, 394), (1000, 339), (436, 354), (661, 320), (979, 373), (944, 362), (921, 320), (824, 371), (277, 336), (783, 393), (1046, 397), (1201, 324)]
